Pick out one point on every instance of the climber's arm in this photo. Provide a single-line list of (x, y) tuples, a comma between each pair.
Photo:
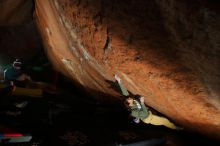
[(123, 89), (143, 106)]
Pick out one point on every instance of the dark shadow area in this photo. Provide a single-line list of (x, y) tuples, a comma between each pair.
[(21, 41), (72, 117), (19, 37)]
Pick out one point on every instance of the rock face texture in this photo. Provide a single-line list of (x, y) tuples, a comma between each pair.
[(167, 51)]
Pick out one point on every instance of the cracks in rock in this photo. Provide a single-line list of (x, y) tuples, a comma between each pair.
[(107, 46)]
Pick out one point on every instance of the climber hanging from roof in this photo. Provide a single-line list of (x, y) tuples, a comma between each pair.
[(139, 111)]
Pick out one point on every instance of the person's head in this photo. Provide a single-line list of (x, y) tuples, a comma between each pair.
[(130, 101), (17, 64)]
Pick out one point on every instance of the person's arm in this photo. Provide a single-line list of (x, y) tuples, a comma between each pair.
[(143, 106), (123, 89)]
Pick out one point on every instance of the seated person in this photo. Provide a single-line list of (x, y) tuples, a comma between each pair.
[(21, 82), (15, 74)]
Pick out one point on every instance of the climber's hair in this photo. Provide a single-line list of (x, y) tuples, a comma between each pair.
[(134, 97), (137, 97)]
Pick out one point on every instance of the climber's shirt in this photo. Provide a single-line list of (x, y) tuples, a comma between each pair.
[(139, 110)]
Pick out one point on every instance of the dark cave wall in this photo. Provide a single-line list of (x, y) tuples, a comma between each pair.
[(19, 37), (15, 12)]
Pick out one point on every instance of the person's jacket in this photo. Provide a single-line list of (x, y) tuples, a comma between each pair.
[(11, 74), (139, 110)]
